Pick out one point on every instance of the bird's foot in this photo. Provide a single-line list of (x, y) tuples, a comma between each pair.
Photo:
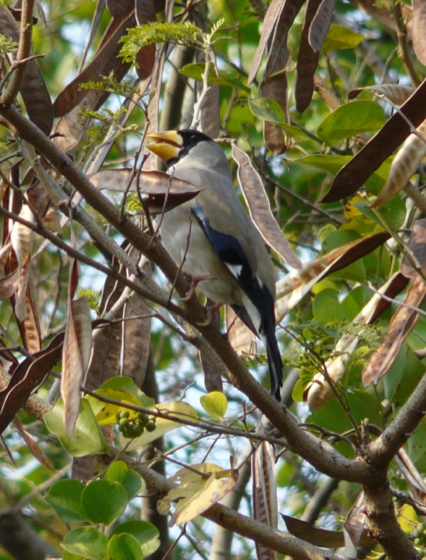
[(211, 310), (195, 280)]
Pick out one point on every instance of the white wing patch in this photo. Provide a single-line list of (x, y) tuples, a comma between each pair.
[(234, 269)]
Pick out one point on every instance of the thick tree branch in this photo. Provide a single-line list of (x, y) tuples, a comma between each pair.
[(383, 524), (382, 450)]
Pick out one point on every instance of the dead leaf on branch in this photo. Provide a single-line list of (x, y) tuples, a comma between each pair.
[(277, 21), (25, 378), (416, 245), (320, 537), (404, 165), (308, 56), (33, 89), (265, 505), (396, 93), (353, 175), (160, 191), (401, 324), (76, 351), (293, 287), (419, 28), (260, 210), (197, 489)]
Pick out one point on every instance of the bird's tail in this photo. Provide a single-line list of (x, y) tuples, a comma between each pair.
[(275, 364)]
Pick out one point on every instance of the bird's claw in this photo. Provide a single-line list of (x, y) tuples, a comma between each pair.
[(211, 310), (195, 280)]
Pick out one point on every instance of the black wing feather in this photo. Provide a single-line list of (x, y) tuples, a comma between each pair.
[(229, 249)]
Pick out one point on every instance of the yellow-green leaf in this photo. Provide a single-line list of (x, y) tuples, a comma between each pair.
[(215, 404)]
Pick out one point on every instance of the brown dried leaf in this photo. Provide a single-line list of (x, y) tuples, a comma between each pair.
[(71, 127), (401, 324), (75, 358), (329, 96), (396, 93), (320, 537), (354, 174), (136, 337), (160, 191), (21, 300), (260, 210), (412, 475), (22, 237), (277, 22), (296, 284), (104, 63), (209, 112), (354, 524), (265, 506), (32, 445), (145, 11), (27, 376), (145, 61), (404, 165), (275, 85), (107, 340), (307, 61), (36, 97), (9, 284), (417, 246), (240, 337), (34, 91), (419, 29), (321, 24), (118, 8)]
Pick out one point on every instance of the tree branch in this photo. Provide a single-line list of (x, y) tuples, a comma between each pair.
[(24, 50)]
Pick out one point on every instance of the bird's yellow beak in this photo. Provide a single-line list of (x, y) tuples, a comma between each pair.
[(165, 145)]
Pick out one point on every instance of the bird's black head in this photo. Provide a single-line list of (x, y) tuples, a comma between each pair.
[(191, 138)]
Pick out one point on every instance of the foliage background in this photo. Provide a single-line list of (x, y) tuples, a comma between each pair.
[(108, 93)]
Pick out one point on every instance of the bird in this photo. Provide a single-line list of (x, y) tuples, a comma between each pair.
[(214, 239)]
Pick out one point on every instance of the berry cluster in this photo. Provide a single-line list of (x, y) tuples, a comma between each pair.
[(133, 427)]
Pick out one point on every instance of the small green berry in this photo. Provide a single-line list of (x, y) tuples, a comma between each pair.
[(150, 427)]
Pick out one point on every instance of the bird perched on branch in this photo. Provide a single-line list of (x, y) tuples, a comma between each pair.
[(215, 239)]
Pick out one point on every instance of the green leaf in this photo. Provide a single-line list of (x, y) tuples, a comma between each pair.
[(123, 390), (197, 69), (104, 501), (341, 37), (351, 119), (65, 497), (124, 547), (87, 542), (87, 438), (333, 164), (143, 531), (215, 404), (326, 307), (362, 405), (267, 109), (392, 213), (131, 481)]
